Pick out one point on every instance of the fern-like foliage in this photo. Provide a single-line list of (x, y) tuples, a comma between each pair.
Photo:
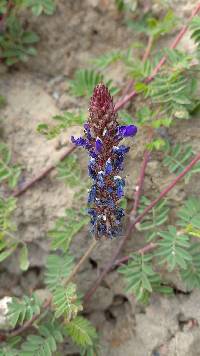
[(69, 170), (140, 277), (195, 28), (107, 59), (174, 88), (58, 269), (66, 227), (8, 243), (178, 157), (64, 121), (9, 348), (189, 214), (66, 301), (8, 172), (44, 344), (82, 333), (191, 275), (139, 71), (155, 218), (85, 80), (154, 27), (173, 249), (21, 310)]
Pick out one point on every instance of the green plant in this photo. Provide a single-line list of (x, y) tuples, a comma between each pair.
[(16, 42), (170, 244)]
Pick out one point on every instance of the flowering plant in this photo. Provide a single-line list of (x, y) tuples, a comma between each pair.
[(102, 137)]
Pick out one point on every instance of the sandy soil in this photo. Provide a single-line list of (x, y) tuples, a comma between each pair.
[(78, 31)]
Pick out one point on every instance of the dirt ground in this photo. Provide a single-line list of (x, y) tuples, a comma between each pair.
[(78, 31)]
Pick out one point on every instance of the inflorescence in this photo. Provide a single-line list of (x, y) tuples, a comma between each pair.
[(102, 137)]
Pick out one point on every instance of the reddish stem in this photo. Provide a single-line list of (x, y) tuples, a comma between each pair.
[(143, 250), (43, 174), (174, 44), (131, 226), (148, 49)]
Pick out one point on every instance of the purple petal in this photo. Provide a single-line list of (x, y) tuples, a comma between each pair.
[(120, 192), (121, 150), (80, 141), (108, 166), (100, 179), (92, 195), (98, 145), (87, 130), (126, 131)]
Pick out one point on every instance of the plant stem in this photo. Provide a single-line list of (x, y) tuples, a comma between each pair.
[(132, 224), (79, 264), (44, 173), (148, 49), (174, 44), (17, 331), (145, 249)]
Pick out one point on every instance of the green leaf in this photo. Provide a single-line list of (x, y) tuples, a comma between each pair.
[(8, 173), (64, 121), (9, 251), (107, 59), (156, 217), (23, 258), (195, 35), (81, 331), (178, 157), (30, 37), (67, 227), (174, 89), (22, 310), (139, 276), (44, 344), (66, 302), (41, 6), (173, 249), (191, 275), (69, 170), (189, 214), (85, 81), (58, 269), (152, 26)]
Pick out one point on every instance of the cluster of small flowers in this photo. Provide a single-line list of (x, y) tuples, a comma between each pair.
[(102, 137)]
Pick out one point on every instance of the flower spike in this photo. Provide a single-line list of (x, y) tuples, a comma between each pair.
[(102, 137)]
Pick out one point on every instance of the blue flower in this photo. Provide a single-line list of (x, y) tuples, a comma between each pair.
[(120, 183), (87, 131), (118, 162), (92, 194), (108, 166), (98, 145), (121, 150), (126, 131), (100, 179), (91, 168), (119, 213), (80, 141)]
